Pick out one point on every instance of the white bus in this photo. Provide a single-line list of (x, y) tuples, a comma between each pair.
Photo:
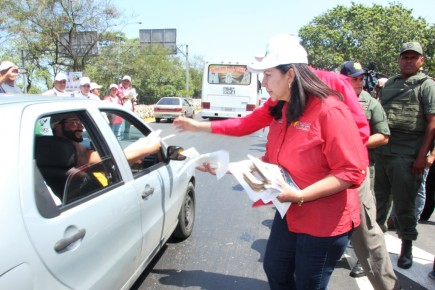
[(229, 90)]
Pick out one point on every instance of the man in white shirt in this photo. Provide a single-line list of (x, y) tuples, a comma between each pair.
[(59, 86), (85, 90), (9, 72)]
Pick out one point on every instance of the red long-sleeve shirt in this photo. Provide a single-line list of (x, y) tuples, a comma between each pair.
[(326, 140)]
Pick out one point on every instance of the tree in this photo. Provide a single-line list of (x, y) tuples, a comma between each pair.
[(366, 34), (45, 29), (155, 73), (36, 27), (195, 74)]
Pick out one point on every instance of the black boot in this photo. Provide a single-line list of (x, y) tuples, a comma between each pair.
[(405, 258), (357, 271), (432, 274)]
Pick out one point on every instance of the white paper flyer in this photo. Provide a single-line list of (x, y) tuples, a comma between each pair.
[(262, 181)]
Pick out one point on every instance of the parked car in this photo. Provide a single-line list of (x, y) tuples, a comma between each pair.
[(96, 226), (170, 108)]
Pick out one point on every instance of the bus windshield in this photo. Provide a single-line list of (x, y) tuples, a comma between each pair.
[(228, 74)]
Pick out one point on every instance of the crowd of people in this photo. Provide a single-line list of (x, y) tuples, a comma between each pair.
[(359, 159), (91, 90), (351, 154), (123, 94)]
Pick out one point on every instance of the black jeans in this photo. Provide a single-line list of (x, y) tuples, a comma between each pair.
[(430, 195)]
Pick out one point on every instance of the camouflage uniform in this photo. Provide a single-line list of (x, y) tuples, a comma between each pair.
[(393, 179), (378, 124)]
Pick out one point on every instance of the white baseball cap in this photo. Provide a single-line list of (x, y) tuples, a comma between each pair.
[(60, 77), (85, 81), (281, 49), (113, 86), (126, 78), (95, 86), (6, 65)]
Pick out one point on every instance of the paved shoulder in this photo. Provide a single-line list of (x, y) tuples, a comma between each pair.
[(417, 276)]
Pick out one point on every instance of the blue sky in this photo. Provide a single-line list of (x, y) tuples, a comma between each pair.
[(237, 29)]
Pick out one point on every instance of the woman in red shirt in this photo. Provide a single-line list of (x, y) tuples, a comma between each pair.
[(315, 138)]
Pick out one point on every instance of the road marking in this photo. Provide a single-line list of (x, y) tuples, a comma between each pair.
[(362, 282), (421, 266)]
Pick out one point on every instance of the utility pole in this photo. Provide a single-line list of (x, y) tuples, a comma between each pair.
[(186, 54), (23, 74)]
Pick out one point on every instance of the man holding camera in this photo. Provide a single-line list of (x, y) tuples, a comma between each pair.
[(8, 76)]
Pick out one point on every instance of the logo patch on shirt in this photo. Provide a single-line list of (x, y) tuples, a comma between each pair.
[(302, 125)]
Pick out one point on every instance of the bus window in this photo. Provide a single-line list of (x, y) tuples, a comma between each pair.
[(229, 90), (228, 74)]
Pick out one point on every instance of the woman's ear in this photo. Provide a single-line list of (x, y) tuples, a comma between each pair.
[(290, 76)]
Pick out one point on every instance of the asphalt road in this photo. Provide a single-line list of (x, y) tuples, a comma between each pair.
[(226, 248)]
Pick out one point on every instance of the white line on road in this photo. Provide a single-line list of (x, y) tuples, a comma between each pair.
[(422, 264)]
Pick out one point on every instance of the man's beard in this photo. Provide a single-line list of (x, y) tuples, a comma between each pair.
[(72, 135)]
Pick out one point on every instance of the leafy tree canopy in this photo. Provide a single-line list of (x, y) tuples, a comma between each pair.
[(35, 28), (366, 34)]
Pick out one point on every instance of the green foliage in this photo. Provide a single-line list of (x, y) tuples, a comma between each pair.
[(366, 34), (35, 26), (154, 72)]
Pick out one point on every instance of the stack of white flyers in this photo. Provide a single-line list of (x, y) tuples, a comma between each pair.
[(262, 181)]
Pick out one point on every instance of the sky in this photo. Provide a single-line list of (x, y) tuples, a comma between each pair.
[(237, 29)]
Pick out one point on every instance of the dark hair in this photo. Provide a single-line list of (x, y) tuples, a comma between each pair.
[(305, 85)]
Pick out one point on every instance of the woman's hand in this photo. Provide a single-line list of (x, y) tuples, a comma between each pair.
[(289, 194), (182, 124), (206, 167), (429, 160)]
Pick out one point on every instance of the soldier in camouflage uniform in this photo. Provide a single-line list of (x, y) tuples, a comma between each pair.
[(368, 239), (409, 102)]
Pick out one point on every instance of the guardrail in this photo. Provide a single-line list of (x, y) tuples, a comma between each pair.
[(147, 111)]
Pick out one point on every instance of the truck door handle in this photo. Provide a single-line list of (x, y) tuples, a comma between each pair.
[(148, 191), (62, 245)]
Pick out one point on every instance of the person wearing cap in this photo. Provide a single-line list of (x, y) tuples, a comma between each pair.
[(128, 97), (85, 90), (313, 136), (409, 102), (8, 77), (95, 89), (70, 126), (59, 86), (115, 121), (368, 240), (127, 93)]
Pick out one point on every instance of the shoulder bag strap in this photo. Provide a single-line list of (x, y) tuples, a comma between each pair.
[(405, 91)]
